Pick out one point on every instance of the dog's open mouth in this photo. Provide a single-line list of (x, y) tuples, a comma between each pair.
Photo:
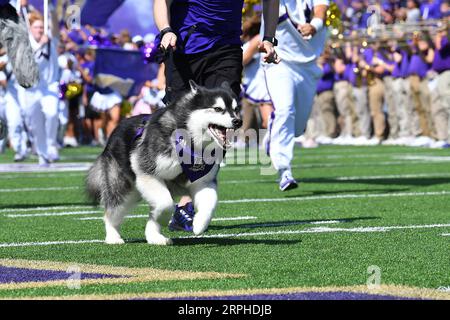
[(219, 134)]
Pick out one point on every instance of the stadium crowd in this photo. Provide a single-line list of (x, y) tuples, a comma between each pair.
[(379, 90)]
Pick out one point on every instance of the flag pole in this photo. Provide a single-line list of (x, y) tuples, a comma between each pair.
[(46, 17)]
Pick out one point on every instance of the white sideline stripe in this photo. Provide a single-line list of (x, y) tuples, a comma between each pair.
[(56, 214), (25, 175), (342, 196), (249, 234), (38, 189), (138, 216), (49, 243), (45, 209), (335, 165), (355, 178), (56, 167), (395, 176), (319, 230), (423, 158), (446, 234)]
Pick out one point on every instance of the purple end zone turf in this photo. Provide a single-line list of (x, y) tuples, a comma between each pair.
[(304, 296), (20, 275)]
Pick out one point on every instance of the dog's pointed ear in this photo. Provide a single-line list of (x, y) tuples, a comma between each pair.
[(194, 86)]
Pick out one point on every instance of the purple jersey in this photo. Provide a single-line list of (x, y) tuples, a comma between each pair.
[(431, 10), (441, 61), (204, 24), (401, 69), (327, 81), (4, 2), (418, 66), (89, 68)]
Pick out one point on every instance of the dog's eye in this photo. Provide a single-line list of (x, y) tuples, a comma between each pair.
[(218, 109)]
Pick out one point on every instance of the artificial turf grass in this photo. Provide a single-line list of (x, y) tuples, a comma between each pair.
[(409, 257)]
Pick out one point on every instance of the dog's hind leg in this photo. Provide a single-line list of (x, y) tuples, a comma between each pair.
[(114, 216), (205, 202), (156, 193)]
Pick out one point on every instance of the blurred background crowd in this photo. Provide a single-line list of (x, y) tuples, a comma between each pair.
[(386, 78)]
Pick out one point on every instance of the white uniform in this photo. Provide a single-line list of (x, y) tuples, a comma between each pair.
[(254, 83), (292, 84), (18, 136), (41, 102), (2, 111)]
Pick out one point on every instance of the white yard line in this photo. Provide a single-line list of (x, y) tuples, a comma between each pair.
[(341, 196), (253, 200), (56, 167), (354, 178), (446, 234), (55, 214), (251, 234), (335, 165), (49, 243), (38, 189), (32, 175), (320, 230), (83, 167), (55, 208), (394, 176)]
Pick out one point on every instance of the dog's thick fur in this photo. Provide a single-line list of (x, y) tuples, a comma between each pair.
[(148, 167)]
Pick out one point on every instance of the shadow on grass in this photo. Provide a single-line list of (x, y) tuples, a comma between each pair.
[(306, 194), (230, 241)]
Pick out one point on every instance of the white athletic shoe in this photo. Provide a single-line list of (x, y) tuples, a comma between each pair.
[(53, 154), (43, 162), (322, 140), (310, 144), (343, 141), (374, 142), (422, 141), (20, 157), (70, 142), (439, 144)]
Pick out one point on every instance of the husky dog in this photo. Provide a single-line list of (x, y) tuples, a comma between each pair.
[(156, 157)]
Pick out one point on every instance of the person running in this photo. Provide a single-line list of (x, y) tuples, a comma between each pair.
[(205, 37), (292, 84)]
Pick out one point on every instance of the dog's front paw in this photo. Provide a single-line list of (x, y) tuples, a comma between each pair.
[(114, 241), (159, 240), (200, 226)]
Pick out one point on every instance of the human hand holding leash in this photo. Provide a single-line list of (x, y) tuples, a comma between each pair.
[(169, 38), (271, 55)]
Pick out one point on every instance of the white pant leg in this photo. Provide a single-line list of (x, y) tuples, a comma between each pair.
[(281, 87), (16, 125), (292, 89), (35, 121), (50, 106), (305, 91), (63, 112), (3, 119)]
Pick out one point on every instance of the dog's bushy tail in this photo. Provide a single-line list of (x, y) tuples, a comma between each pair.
[(94, 180)]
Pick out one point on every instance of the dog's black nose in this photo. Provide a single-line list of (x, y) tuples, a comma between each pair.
[(237, 123)]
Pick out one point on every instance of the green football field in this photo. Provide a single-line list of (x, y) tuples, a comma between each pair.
[(365, 220)]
